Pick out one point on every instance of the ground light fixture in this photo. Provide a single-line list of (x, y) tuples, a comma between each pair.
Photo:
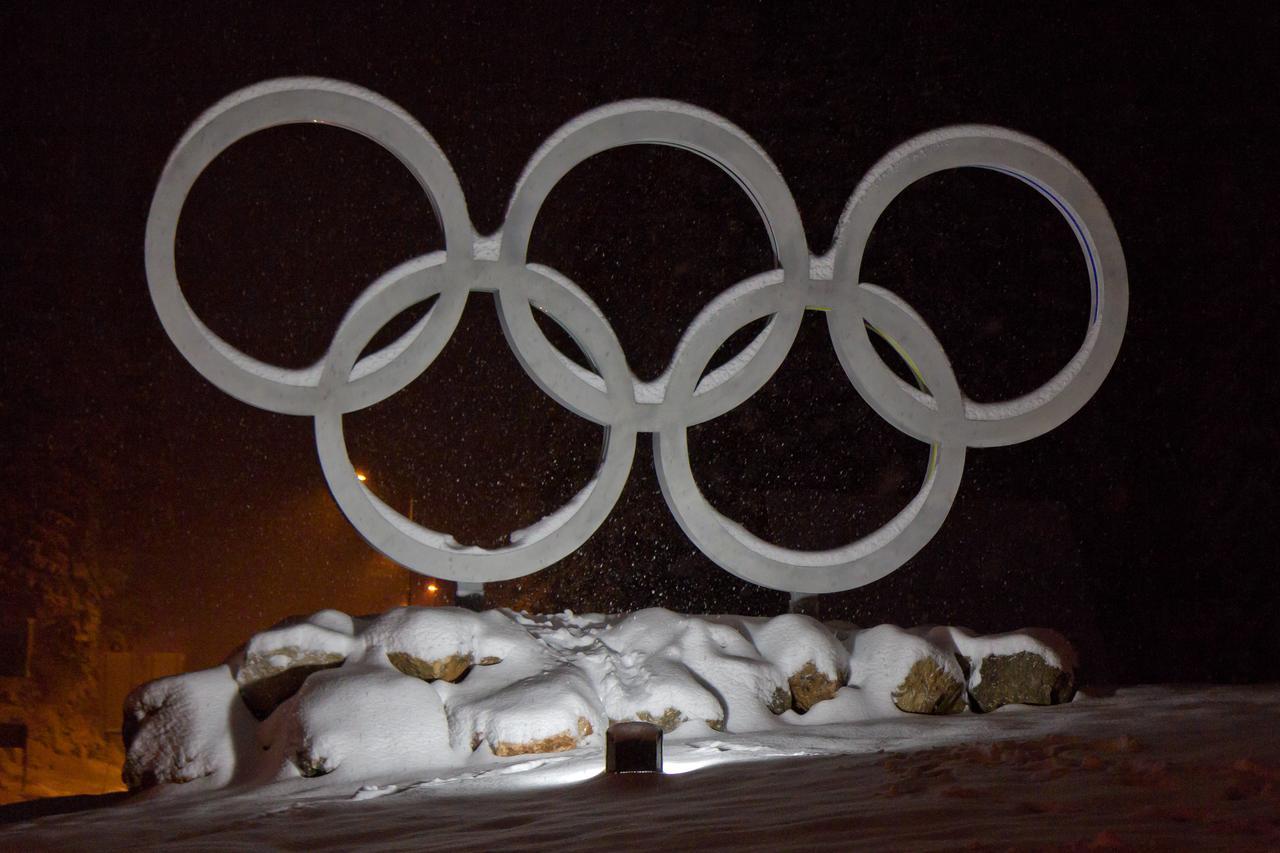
[(633, 747)]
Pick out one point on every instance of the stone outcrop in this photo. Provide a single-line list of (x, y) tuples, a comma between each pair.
[(669, 720)]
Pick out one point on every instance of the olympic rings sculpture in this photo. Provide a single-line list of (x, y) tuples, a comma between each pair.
[(611, 395)]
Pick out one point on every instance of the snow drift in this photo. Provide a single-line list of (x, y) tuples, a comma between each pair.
[(417, 690)]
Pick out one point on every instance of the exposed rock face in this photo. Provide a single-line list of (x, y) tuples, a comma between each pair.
[(1032, 666), (809, 686), (669, 720), (276, 662), (559, 742), (268, 679), (672, 718), (929, 689), (452, 668), (311, 765), (1023, 678)]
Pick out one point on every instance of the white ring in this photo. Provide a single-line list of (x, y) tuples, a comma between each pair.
[(429, 551), (867, 559), (278, 102), (682, 126), (610, 394), (1050, 174)]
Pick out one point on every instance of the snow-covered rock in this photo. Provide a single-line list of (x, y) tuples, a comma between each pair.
[(814, 661), (185, 727), (1033, 666), (553, 711), (444, 642), (679, 661), (361, 721), (277, 661), (895, 666)]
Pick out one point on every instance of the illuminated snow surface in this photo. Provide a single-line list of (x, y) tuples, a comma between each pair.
[(1136, 768)]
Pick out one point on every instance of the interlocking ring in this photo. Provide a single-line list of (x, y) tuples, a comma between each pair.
[(610, 394)]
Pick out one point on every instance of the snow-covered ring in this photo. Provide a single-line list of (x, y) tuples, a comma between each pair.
[(610, 394), (535, 684)]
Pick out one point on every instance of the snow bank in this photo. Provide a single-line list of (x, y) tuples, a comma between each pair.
[(389, 698), (1117, 770)]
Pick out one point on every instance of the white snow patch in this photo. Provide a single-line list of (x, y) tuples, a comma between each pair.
[(549, 524), (323, 632)]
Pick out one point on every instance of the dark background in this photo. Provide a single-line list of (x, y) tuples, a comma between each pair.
[(1142, 529)]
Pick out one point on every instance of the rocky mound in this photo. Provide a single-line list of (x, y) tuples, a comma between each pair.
[(417, 689)]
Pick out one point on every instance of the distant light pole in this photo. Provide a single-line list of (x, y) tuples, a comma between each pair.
[(432, 587), (408, 595)]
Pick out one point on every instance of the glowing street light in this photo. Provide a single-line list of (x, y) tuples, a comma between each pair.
[(361, 476)]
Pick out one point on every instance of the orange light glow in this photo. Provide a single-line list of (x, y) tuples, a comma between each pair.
[(432, 587), (360, 476)]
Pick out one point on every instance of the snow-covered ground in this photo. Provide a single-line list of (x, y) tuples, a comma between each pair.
[(445, 729), (1146, 768)]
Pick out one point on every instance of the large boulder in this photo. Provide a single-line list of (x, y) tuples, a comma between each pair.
[(814, 661), (711, 671), (276, 662), (185, 727), (1033, 666), (365, 721), (1023, 678), (552, 711), (443, 643), (902, 670)]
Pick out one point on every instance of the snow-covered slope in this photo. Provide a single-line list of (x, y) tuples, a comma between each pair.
[(1143, 768)]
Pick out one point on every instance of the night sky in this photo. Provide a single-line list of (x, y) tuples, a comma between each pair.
[(1143, 528)]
